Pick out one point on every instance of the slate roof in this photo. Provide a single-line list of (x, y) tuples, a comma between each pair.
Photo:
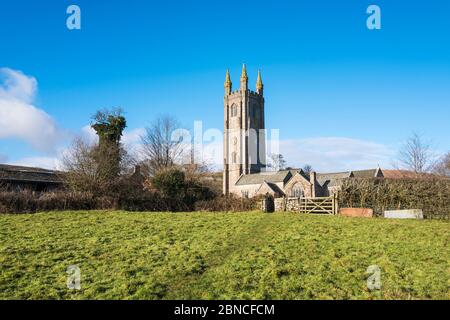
[(11, 173), (364, 174), (324, 179), (335, 179), (275, 188), (332, 179), (269, 177)]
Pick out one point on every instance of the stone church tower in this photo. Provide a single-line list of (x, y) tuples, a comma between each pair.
[(244, 135)]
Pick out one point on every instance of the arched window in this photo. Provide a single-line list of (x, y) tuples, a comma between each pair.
[(297, 191), (234, 110)]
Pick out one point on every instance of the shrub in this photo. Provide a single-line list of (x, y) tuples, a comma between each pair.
[(28, 202), (180, 191), (170, 183)]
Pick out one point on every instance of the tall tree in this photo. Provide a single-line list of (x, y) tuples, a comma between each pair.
[(109, 126), (415, 154), (160, 151)]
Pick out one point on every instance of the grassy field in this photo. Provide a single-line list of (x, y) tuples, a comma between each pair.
[(220, 256)]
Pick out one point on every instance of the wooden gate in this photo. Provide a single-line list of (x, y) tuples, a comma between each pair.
[(320, 205)]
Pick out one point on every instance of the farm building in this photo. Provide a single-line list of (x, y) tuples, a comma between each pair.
[(27, 178)]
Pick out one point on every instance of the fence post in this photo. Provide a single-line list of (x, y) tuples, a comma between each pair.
[(336, 203)]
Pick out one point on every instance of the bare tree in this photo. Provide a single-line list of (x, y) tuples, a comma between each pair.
[(277, 161), (159, 150), (307, 169), (415, 154), (81, 167), (442, 167)]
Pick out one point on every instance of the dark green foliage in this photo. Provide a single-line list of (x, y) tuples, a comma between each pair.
[(109, 126), (430, 195), (170, 183), (183, 192), (32, 202)]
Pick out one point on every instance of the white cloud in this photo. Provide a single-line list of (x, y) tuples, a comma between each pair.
[(52, 163), (331, 154), (88, 134), (19, 118), (325, 154), (133, 137)]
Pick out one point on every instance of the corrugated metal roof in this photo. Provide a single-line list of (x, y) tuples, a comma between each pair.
[(28, 174)]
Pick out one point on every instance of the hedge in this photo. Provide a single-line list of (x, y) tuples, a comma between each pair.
[(431, 195)]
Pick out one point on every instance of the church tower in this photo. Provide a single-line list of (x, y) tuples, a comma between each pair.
[(244, 146)]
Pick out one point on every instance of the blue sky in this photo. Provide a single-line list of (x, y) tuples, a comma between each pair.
[(332, 86)]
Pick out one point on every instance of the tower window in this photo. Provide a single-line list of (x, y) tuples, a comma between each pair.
[(234, 111)]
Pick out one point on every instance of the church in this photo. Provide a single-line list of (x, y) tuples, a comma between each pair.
[(244, 150)]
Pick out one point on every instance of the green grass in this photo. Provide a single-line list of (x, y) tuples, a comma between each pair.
[(126, 255)]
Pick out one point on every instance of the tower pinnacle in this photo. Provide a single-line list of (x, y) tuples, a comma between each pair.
[(244, 73), (259, 83), (244, 78), (227, 85)]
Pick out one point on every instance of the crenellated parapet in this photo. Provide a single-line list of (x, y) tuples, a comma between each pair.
[(249, 92)]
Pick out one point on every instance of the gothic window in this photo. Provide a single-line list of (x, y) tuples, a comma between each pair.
[(234, 110), (297, 191)]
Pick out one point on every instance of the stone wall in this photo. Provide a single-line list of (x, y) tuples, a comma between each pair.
[(293, 204), (280, 204), (287, 204)]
